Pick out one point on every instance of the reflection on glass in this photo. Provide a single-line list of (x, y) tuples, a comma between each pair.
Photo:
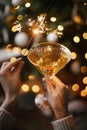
[(49, 58)]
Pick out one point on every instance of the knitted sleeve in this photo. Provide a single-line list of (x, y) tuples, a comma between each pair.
[(66, 123), (6, 120)]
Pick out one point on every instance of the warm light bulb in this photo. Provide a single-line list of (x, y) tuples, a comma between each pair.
[(27, 5), (20, 17), (75, 87), (16, 50), (76, 39), (74, 55), (85, 35), (35, 88), (83, 93), (85, 80), (25, 88), (36, 31), (24, 52), (53, 19), (85, 55), (31, 77), (83, 69), (12, 59), (60, 27)]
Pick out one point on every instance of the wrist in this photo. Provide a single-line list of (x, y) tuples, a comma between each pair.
[(60, 114), (9, 105)]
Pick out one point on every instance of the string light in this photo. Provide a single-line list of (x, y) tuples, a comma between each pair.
[(25, 88), (35, 88), (76, 39), (74, 55), (75, 87), (16, 50), (85, 55), (12, 59), (31, 77), (83, 93), (27, 5), (85, 80), (83, 69), (85, 35), (24, 52), (60, 27), (53, 19)]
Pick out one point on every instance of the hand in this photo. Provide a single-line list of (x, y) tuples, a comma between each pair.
[(10, 80), (57, 96)]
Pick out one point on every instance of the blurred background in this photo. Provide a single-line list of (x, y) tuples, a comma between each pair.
[(27, 22)]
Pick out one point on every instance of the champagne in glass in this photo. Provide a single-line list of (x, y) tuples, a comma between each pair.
[(49, 58)]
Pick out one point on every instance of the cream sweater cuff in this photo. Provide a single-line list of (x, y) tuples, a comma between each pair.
[(6, 120), (66, 123)]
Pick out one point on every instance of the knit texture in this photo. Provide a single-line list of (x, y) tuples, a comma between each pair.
[(6, 120), (66, 123)]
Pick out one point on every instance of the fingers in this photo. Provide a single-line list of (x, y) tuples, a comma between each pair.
[(4, 64), (8, 67), (57, 82), (54, 84), (19, 67), (14, 63), (47, 85)]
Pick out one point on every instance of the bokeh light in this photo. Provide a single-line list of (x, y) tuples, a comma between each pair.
[(85, 35), (83, 69), (74, 55), (76, 39), (85, 80), (60, 27), (83, 93), (86, 55), (25, 88), (35, 88), (75, 87), (53, 19)]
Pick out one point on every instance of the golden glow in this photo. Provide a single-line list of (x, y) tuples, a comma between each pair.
[(35, 88), (20, 17), (16, 27), (85, 35), (53, 19), (27, 5), (25, 88), (85, 55), (17, 7), (86, 89), (74, 55), (83, 93), (9, 47), (85, 3), (16, 50), (75, 87), (36, 31), (12, 59), (25, 52), (60, 27), (76, 39), (83, 69), (41, 17), (31, 77), (77, 19), (85, 80)]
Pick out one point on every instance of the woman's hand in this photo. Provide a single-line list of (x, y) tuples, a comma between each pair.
[(10, 80), (57, 96)]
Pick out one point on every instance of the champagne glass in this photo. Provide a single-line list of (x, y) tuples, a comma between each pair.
[(49, 57)]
